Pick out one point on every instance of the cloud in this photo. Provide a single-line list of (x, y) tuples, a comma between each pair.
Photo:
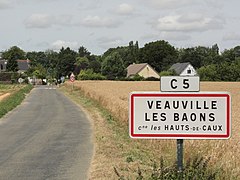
[(168, 36), (98, 22), (231, 37), (175, 36), (188, 23), (60, 43), (125, 9), (107, 42), (4, 4), (47, 20), (176, 4), (39, 21), (169, 4)]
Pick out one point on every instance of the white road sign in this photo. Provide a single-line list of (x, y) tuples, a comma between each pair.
[(72, 77), (203, 115), (179, 83)]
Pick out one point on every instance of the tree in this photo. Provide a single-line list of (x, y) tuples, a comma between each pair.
[(82, 52), (200, 56), (40, 72), (12, 55), (209, 73), (66, 63), (82, 63), (113, 66), (129, 54), (37, 58), (160, 55), (95, 63), (12, 65), (52, 62)]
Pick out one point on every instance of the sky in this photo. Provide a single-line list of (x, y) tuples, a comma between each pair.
[(39, 25)]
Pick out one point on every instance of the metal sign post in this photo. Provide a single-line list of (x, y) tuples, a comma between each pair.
[(180, 155)]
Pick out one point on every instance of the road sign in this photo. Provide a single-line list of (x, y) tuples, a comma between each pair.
[(20, 80), (179, 83), (203, 115), (72, 77)]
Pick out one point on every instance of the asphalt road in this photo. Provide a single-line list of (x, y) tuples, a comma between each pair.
[(46, 137)]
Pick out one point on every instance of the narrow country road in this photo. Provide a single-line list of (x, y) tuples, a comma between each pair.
[(47, 137)]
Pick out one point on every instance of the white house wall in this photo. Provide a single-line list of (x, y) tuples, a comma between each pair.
[(147, 72), (185, 71)]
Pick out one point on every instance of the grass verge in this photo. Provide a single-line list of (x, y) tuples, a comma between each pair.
[(119, 157), (14, 99)]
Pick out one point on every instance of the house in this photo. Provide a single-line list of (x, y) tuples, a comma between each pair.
[(3, 65), (144, 70), (184, 69), (23, 65)]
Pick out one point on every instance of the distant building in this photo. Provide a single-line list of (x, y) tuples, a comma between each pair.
[(144, 70), (3, 65), (23, 65), (184, 69)]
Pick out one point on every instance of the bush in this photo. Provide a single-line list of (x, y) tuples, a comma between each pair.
[(135, 78), (8, 76), (152, 79), (168, 73), (12, 77), (90, 75)]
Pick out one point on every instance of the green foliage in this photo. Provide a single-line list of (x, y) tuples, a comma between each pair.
[(225, 71), (13, 53), (196, 168), (211, 65), (13, 100), (208, 73), (113, 66), (39, 72), (136, 77), (90, 75), (12, 65), (82, 62), (8, 76), (66, 61), (95, 63), (83, 52), (200, 56), (129, 54), (151, 79), (168, 73), (160, 55), (38, 58)]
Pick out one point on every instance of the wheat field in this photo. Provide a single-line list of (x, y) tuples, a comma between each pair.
[(114, 96)]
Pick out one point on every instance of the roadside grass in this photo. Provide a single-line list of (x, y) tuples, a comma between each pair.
[(117, 156), (9, 88), (18, 93)]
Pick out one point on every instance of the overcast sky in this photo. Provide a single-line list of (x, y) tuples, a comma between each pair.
[(38, 25)]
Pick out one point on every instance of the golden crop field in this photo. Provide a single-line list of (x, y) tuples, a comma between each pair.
[(114, 96)]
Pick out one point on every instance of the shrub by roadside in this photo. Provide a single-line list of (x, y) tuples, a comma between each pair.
[(90, 75)]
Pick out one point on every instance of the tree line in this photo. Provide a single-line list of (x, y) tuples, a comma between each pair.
[(211, 64)]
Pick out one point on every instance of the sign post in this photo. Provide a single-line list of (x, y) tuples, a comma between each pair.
[(180, 155), (72, 79), (178, 114)]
